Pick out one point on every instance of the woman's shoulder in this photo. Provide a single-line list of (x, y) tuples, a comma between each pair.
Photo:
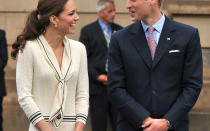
[(29, 50), (31, 43), (30, 46), (76, 44)]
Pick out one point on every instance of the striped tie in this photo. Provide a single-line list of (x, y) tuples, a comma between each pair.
[(107, 36), (151, 42)]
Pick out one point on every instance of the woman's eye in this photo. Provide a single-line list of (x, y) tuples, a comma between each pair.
[(71, 13)]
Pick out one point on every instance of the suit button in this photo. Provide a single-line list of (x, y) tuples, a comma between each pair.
[(154, 92)]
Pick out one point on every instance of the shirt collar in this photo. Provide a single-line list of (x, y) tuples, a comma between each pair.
[(158, 25), (103, 26)]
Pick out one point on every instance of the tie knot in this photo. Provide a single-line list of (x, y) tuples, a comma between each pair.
[(151, 29), (106, 29)]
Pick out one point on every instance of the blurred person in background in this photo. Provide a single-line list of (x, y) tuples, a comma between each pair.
[(3, 63), (96, 37)]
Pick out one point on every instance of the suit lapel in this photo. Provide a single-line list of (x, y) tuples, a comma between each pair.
[(100, 34), (166, 38), (113, 28), (139, 41)]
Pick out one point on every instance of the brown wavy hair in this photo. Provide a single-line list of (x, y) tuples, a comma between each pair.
[(36, 22)]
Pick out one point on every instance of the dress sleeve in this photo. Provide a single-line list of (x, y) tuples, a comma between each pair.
[(82, 91), (24, 83)]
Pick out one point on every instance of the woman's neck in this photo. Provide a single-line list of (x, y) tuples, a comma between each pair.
[(53, 37)]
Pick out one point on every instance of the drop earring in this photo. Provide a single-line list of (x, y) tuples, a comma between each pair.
[(55, 25)]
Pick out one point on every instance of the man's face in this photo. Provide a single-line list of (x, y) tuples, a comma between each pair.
[(108, 14), (139, 9)]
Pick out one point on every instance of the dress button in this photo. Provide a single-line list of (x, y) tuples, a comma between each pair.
[(59, 116)]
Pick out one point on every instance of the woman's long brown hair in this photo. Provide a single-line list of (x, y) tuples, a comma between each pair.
[(36, 22)]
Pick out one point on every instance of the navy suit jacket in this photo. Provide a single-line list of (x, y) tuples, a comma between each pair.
[(166, 87), (3, 62)]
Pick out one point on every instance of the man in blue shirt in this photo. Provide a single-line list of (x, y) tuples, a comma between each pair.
[(96, 37)]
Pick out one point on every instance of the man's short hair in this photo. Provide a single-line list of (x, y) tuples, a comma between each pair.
[(159, 1), (101, 4)]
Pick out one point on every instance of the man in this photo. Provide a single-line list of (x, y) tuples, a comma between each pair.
[(96, 37), (155, 70), (3, 62)]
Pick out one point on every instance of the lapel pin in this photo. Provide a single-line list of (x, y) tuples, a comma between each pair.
[(168, 38)]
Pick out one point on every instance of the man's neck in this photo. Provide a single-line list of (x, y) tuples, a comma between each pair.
[(103, 21), (153, 18)]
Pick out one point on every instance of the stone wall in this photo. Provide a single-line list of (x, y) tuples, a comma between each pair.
[(194, 12)]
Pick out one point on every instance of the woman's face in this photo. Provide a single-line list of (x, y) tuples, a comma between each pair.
[(68, 18)]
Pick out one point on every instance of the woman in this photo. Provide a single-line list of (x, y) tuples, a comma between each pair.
[(51, 74)]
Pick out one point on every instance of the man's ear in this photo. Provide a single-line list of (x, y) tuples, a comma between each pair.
[(100, 13), (53, 19)]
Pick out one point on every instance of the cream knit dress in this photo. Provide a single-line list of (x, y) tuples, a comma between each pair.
[(39, 86)]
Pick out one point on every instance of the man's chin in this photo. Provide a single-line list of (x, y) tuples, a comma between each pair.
[(134, 19), (111, 21)]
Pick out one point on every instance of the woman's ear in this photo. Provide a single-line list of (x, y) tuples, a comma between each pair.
[(155, 2), (54, 20)]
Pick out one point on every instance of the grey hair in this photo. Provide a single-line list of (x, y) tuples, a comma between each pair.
[(101, 4)]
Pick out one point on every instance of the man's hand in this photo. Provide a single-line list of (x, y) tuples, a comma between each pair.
[(155, 125), (102, 78), (145, 120)]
